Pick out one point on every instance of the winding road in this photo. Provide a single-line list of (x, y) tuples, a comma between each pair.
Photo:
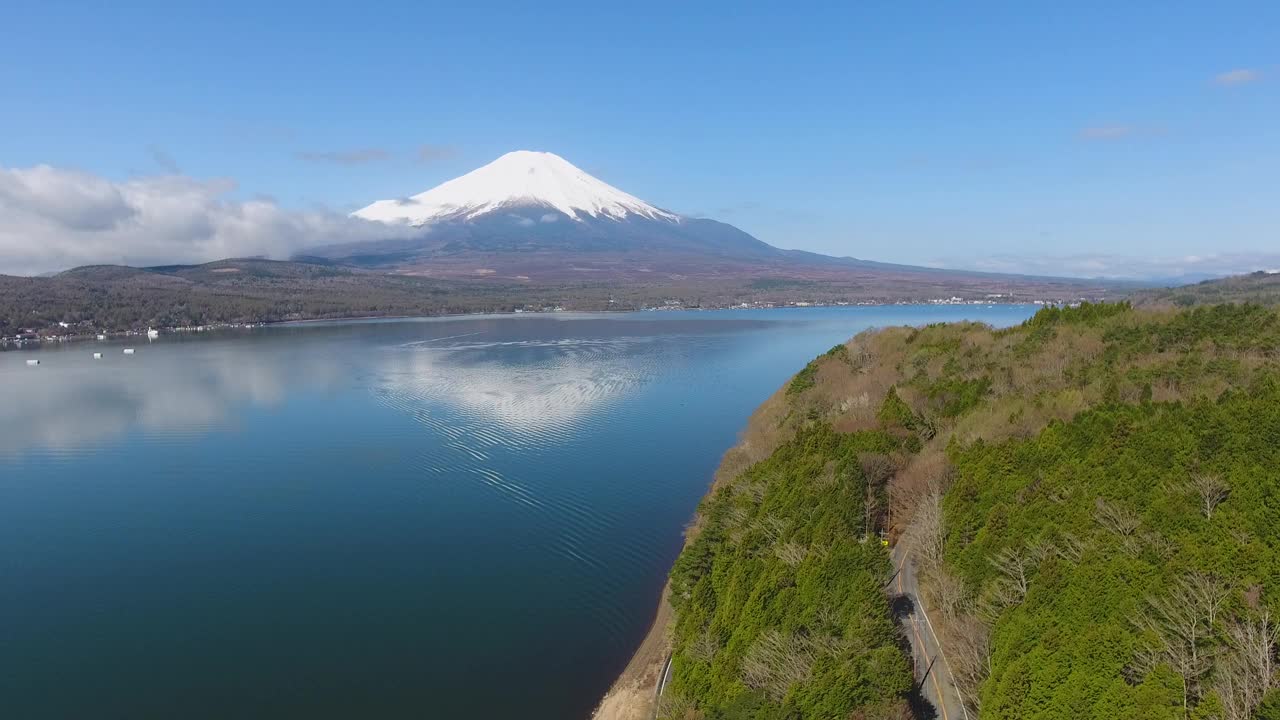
[(933, 674)]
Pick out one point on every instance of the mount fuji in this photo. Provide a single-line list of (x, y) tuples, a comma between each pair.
[(535, 219), (535, 214), (518, 180)]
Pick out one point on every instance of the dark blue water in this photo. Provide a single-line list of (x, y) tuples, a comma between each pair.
[(465, 518)]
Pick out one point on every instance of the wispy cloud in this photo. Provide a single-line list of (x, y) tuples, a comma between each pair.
[(1107, 132), (164, 160), (426, 154), (1120, 267), (423, 155), (757, 209), (256, 132), (1120, 132), (53, 219), (1239, 76), (360, 156), (744, 206)]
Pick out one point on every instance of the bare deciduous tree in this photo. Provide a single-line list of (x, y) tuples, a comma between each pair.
[(925, 533), (1209, 593), (790, 553), (1014, 566), (705, 646), (1248, 670), (1160, 545), (1040, 550), (1212, 490), (674, 705), (1181, 627), (870, 509), (946, 591), (774, 527), (1116, 519), (1071, 548), (776, 661), (969, 653)]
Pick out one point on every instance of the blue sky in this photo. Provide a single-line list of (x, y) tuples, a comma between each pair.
[(1001, 135)]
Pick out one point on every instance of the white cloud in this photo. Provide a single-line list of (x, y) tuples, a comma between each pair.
[(1239, 76), (1120, 267), (54, 219)]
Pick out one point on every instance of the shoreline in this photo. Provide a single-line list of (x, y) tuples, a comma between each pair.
[(634, 694), (13, 344)]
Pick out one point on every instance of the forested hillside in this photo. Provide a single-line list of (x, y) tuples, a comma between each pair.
[(116, 298), (1262, 288), (1091, 500)]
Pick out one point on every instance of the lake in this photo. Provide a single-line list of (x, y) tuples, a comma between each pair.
[(449, 518)]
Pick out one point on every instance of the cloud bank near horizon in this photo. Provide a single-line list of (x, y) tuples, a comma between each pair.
[(54, 219)]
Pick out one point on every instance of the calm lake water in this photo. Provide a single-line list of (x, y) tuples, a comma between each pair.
[(462, 518)]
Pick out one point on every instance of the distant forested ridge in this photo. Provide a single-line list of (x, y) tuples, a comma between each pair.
[(117, 298), (1261, 288), (1091, 500)]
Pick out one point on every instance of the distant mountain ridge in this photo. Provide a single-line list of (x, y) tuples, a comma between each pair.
[(1261, 288)]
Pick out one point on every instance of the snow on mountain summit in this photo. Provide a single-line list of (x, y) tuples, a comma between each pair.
[(517, 179)]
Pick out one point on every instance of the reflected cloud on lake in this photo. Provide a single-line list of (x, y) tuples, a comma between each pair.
[(69, 401), (534, 387)]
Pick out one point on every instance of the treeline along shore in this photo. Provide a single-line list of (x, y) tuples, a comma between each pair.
[(1090, 501)]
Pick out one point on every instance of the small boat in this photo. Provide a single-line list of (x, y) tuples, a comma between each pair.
[(128, 351), (152, 334), (97, 356), (33, 362), (102, 337)]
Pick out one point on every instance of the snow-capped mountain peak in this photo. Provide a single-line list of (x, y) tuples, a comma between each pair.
[(517, 179)]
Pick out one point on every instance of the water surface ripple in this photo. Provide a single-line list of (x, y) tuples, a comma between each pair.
[(444, 518)]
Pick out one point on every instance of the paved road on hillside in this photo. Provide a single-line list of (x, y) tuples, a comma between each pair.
[(933, 675)]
